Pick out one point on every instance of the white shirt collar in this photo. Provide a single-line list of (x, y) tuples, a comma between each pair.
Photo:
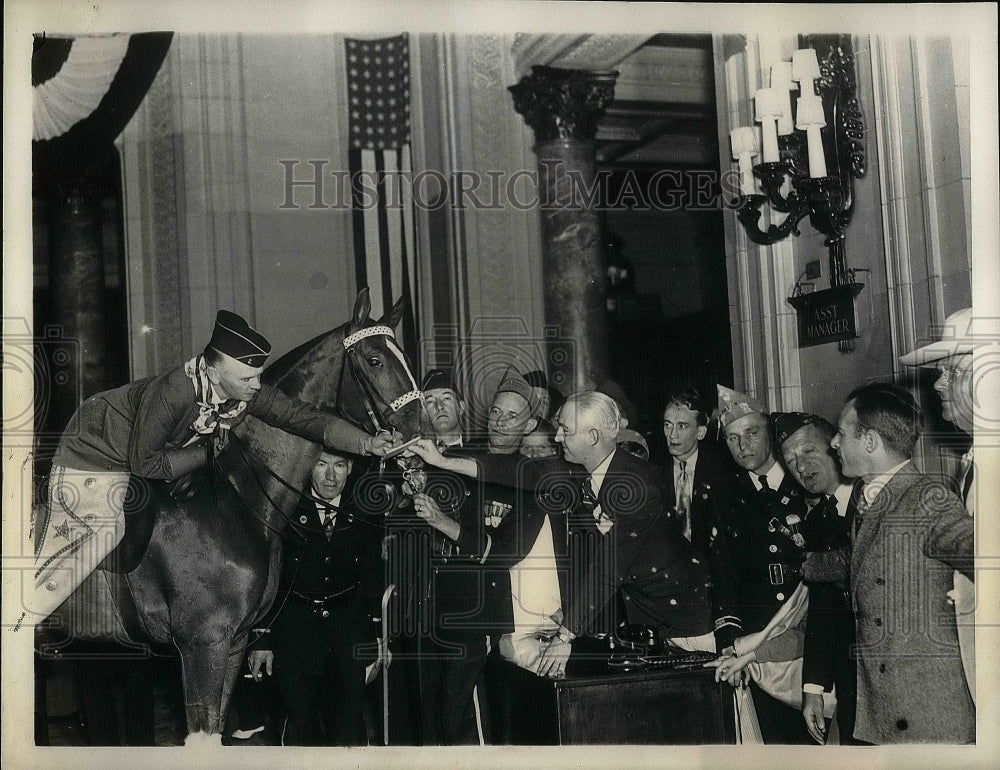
[(598, 474), (843, 495), (689, 463), (774, 477), (877, 484)]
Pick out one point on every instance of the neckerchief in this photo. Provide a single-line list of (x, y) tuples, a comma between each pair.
[(213, 417)]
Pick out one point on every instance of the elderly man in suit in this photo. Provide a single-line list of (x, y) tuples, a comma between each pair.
[(804, 442), (952, 357), (909, 533), (638, 550)]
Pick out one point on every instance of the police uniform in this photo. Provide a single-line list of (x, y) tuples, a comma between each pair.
[(158, 428)]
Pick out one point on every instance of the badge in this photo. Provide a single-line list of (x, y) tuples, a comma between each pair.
[(785, 501), (303, 519)]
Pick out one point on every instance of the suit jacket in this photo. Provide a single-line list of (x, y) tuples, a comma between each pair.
[(712, 471), (662, 582), (911, 686), (143, 427), (347, 567), (747, 589)]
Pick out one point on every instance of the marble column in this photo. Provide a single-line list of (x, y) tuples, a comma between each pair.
[(76, 281), (562, 107)]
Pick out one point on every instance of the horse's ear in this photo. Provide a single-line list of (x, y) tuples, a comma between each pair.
[(362, 308), (396, 314)]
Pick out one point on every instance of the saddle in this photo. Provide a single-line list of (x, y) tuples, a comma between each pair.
[(142, 499)]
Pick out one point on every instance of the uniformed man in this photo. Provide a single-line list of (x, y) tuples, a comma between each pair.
[(161, 427), (471, 604), (325, 626), (760, 512), (828, 662)]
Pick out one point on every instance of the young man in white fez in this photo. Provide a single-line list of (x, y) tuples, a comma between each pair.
[(758, 513), (962, 333), (161, 427)]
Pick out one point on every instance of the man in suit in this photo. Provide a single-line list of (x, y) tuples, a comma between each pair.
[(758, 511), (804, 441), (909, 533), (161, 428), (636, 549), (693, 469), (952, 357), (325, 626)]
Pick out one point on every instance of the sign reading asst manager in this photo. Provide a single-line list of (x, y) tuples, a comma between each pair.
[(826, 316)]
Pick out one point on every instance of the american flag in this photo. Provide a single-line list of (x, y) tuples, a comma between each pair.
[(378, 91)]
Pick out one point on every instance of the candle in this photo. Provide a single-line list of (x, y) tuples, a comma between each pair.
[(768, 106), (744, 148), (804, 65), (781, 81), (811, 119)]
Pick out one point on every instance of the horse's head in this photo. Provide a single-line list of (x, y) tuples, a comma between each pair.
[(378, 388)]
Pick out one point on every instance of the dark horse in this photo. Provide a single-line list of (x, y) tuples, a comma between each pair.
[(211, 568)]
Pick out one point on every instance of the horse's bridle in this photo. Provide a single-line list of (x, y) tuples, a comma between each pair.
[(369, 397)]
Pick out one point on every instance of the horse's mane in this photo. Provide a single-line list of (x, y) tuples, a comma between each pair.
[(278, 371)]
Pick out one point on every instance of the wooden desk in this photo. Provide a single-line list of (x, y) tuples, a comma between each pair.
[(671, 707)]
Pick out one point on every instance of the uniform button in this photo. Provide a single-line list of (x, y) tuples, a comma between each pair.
[(878, 621), (881, 668), (779, 596), (326, 560), (325, 613), (902, 724), (652, 569), (772, 548)]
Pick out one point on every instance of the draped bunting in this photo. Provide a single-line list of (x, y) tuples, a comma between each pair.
[(74, 92), (378, 91)]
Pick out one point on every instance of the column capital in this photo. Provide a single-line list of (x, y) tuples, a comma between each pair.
[(563, 103)]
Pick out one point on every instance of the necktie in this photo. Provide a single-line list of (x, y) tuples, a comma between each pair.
[(228, 405), (327, 517), (684, 501), (589, 501), (861, 504), (764, 486)]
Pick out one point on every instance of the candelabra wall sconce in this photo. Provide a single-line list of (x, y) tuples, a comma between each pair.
[(819, 161)]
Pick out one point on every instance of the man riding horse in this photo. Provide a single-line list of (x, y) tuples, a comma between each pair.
[(163, 427)]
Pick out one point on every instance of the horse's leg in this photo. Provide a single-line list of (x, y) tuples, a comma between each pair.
[(205, 667), (236, 656)]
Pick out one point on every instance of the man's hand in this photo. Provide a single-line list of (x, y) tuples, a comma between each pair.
[(372, 669), (258, 658), (812, 712), (552, 662), (382, 442), (730, 668), (427, 450), (428, 510)]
